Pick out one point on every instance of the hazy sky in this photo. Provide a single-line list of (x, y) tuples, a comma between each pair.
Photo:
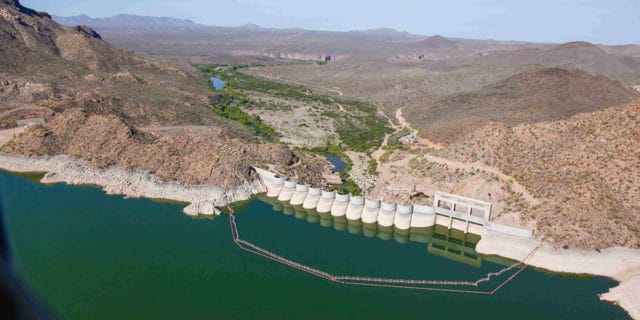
[(600, 21)]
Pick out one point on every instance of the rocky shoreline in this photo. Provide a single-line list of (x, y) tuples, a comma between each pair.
[(620, 264), (131, 183)]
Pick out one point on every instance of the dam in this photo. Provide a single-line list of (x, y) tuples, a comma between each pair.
[(453, 211)]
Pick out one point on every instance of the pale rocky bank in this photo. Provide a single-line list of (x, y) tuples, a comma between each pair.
[(618, 263), (131, 183), (621, 264)]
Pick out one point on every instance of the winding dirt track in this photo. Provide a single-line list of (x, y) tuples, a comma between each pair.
[(515, 185), (453, 164), (403, 123)]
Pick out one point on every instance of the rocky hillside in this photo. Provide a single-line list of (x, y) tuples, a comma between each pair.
[(584, 169), (47, 68), (95, 100), (610, 61), (191, 155), (543, 94)]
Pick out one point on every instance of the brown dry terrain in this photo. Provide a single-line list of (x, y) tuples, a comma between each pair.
[(585, 169), (190, 154), (550, 137), (93, 97), (532, 96)]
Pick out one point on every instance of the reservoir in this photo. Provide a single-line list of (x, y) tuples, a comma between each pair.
[(89, 255), (218, 83)]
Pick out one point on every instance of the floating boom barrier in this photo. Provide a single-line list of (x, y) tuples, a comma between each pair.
[(411, 284)]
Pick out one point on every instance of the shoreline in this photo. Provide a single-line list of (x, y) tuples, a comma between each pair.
[(201, 199), (620, 264), (617, 263)]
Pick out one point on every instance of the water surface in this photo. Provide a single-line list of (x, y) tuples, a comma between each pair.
[(218, 83), (337, 162), (90, 255)]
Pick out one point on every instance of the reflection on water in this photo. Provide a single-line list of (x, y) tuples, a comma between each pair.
[(441, 241)]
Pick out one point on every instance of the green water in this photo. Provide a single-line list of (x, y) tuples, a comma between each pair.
[(93, 256)]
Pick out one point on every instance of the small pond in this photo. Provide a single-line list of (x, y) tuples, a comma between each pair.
[(338, 164), (218, 83)]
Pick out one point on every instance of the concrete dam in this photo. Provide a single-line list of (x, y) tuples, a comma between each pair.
[(452, 211)]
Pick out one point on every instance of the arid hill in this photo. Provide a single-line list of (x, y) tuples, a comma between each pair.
[(578, 54), (45, 67), (544, 94), (584, 169), (190, 154), (95, 98)]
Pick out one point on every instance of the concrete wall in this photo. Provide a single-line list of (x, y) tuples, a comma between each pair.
[(26, 122), (387, 214)]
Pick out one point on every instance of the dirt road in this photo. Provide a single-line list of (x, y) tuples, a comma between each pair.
[(452, 164), (7, 134)]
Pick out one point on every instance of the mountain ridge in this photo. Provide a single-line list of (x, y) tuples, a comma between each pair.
[(95, 98), (127, 21), (542, 94)]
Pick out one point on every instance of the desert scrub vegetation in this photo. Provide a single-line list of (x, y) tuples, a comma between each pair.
[(229, 110), (335, 150), (358, 124), (394, 139), (348, 185), (584, 170), (372, 167), (420, 166), (385, 156)]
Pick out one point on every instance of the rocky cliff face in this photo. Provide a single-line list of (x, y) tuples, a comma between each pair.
[(24, 29)]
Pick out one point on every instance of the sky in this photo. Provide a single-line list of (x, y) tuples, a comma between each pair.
[(598, 21)]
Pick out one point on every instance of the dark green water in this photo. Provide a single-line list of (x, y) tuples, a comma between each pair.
[(93, 256)]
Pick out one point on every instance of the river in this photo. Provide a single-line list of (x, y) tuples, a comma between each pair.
[(90, 255)]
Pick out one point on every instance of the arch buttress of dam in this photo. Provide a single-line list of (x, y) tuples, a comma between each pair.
[(299, 195), (355, 208), (340, 205), (312, 199), (386, 214), (403, 217), (449, 210), (326, 201), (370, 211)]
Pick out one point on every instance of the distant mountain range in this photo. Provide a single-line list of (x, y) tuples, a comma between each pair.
[(126, 21), (131, 21)]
